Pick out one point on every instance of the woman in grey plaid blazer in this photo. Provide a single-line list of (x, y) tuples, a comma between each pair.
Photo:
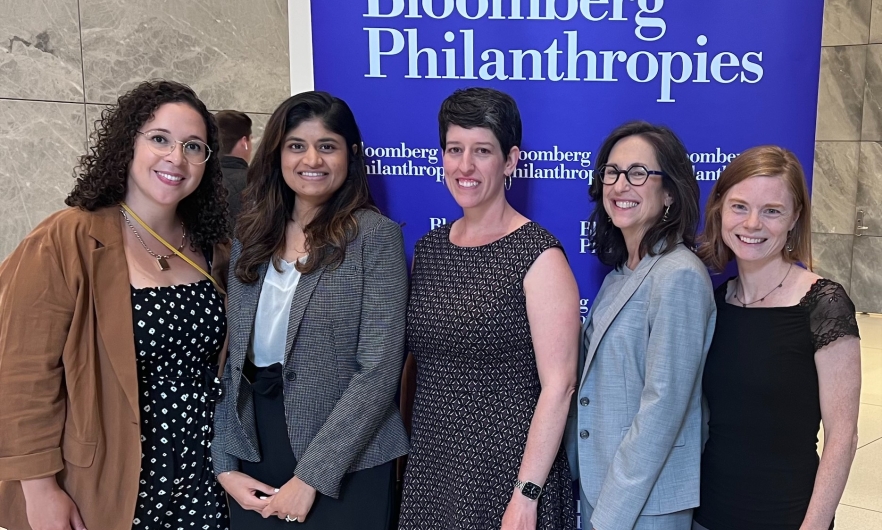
[(307, 430)]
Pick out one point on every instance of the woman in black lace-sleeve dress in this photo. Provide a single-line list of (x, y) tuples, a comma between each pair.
[(785, 356)]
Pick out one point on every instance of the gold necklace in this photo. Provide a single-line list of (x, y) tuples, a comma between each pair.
[(161, 261), (767, 294)]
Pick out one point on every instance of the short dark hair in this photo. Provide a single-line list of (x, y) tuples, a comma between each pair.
[(232, 126), (760, 161), (102, 174), (605, 239), (482, 107), (268, 202)]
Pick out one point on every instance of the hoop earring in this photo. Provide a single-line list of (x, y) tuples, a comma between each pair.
[(508, 180), (665, 216)]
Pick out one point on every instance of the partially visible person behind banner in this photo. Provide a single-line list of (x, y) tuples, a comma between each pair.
[(308, 430), (635, 434), (493, 324), (785, 357), (236, 150), (110, 341)]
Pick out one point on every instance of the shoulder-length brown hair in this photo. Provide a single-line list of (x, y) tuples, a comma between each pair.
[(761, 161), (606, 239), (102, 174), (268, 202)]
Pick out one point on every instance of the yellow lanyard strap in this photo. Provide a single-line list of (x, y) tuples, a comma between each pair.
[(169, 245)]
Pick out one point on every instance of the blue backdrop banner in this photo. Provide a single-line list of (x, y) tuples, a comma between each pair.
[(725, 75)]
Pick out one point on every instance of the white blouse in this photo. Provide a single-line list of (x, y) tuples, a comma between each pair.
[(273, 310)]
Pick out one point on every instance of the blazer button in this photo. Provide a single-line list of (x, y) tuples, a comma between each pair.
[(291, 376), (237, 369), (584, 401), (583, 434)]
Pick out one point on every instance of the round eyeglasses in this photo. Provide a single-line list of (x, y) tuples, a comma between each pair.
[(162, 144), (636, 175)]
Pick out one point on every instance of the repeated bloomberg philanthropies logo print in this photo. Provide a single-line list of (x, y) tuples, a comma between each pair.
[(725, 76), (553, 164), (403, 160)]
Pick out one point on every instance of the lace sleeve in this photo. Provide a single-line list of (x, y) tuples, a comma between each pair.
[(831, 313)]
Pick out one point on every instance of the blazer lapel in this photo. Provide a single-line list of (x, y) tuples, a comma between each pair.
[(305, 288), (111, 292), (248, 299), (604, 318)]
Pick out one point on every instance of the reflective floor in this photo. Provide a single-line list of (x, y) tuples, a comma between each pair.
[(861, 504)]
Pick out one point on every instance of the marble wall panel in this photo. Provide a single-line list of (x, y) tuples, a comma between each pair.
[(831, 257), (233, 54), (93, 114), (39, 144), (876, 22), (834, 187), (258, 124), (841, 93), (866, 282), (40, 56), (869, 187), (871, 126), (846, 22)]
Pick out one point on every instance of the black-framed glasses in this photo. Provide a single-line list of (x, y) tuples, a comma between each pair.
[(636, 175), (162, 144)]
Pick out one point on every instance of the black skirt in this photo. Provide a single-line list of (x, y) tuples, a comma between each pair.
[(366, 496)]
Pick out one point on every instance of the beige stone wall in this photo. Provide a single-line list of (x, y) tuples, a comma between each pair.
[(848, 150), (62, 60)]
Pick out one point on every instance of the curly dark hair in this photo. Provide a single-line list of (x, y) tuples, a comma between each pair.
[(606, 240), (102, 174), (268, 202)]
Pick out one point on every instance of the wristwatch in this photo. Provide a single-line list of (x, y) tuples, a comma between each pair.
[(530, 490)]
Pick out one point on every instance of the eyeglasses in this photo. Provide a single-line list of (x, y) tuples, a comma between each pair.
[(162, 144), (636, 175)]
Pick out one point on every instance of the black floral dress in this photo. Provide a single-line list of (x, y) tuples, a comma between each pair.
[(179, 332)]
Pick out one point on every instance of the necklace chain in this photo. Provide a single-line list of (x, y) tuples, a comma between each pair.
[(781, 284), (154, 254)]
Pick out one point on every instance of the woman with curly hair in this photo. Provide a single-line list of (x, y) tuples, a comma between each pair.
[(110, 338), (307, 428)]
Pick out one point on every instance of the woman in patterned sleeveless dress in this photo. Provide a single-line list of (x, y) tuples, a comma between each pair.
[(111, 343), (492, 327), (785, 356)]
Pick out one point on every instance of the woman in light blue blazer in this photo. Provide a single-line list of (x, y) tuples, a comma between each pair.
[(635, 432)]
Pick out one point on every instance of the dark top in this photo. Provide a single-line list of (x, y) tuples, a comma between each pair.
[(477, 385), (758, 467), (179, 332), (235, 170)]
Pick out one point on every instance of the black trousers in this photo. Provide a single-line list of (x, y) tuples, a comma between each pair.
[(366, 499)]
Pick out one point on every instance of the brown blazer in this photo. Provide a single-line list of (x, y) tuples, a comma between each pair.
[(69, 398)]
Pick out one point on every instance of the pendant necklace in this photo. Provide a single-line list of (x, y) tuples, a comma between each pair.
[(161, 261), (767, 294)]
